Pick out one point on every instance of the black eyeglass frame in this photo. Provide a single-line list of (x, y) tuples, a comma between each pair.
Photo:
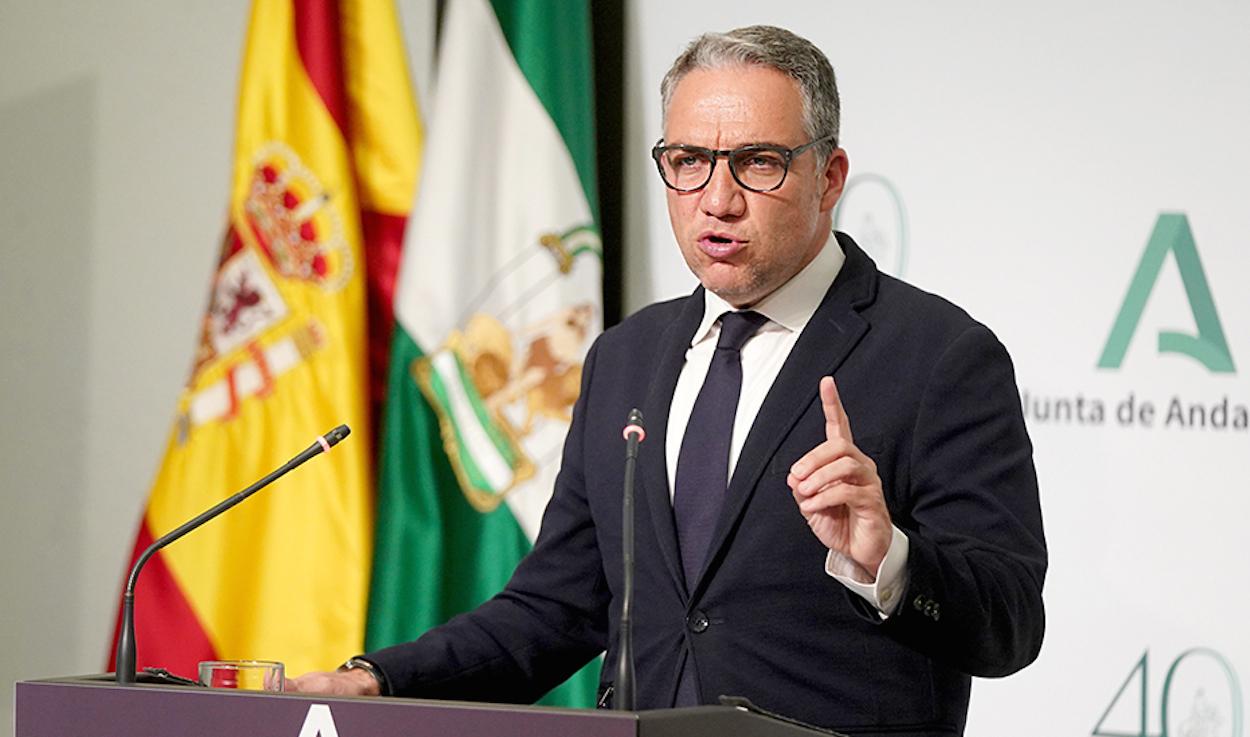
[(789, 154)]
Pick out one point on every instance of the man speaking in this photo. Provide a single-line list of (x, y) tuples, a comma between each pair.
[(837, 511)]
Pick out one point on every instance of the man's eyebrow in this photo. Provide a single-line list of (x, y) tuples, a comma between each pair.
[(750, 144)]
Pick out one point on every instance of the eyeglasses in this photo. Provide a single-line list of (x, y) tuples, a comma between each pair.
[(758, 167)]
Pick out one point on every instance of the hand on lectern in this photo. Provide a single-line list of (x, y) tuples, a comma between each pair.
[(354, 682)]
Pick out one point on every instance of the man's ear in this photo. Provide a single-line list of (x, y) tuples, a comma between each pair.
[(834, 177)]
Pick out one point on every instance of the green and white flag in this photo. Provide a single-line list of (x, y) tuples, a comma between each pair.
[(497, 303)]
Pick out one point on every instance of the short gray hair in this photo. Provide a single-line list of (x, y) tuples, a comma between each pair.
[(777, 48)]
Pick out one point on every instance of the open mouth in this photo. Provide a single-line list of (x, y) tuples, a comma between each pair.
[(719, 245)]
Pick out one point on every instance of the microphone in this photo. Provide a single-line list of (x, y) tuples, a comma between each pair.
[(125, 662), (624, 701)]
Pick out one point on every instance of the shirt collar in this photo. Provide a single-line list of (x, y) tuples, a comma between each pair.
[(792, 305)]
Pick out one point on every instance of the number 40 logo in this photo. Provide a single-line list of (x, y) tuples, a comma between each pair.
[(1201, 696)]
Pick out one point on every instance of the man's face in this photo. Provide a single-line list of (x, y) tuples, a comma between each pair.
[(742, 245)]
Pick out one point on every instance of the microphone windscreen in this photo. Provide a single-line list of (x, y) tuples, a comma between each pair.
[(334, 436)]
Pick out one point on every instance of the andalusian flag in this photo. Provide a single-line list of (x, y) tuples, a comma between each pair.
[(324, 173), (498, 300)]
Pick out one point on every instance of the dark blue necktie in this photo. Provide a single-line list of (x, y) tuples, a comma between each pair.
[(703, 463)]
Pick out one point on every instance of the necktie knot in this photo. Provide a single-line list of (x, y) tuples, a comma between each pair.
[(737, 327)]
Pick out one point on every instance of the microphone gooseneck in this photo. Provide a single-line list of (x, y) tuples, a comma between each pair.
[(625, 691), (125, 661)]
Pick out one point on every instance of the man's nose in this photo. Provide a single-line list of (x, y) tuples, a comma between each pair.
[(723, 197)]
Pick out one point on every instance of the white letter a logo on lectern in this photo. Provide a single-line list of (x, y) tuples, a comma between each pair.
[(319, 722)]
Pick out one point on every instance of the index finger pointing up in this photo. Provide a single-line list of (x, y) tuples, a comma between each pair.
[(836, 423)]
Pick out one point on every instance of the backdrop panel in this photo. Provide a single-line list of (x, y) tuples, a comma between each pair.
[(1073, 174)]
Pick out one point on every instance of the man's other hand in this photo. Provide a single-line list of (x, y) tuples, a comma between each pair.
[(355, 682), (839, 492)]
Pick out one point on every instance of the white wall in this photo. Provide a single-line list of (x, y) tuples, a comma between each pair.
[(115, 133)]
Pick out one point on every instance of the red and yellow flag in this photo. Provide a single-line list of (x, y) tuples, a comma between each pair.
[(325, 170)]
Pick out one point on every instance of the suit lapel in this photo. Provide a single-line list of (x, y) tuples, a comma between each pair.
[(652, 461), (829, 337)]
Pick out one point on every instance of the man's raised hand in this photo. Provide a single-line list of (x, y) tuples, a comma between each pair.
[(839, 492)]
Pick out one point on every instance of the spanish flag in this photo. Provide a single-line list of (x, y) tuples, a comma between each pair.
[(325, 171)]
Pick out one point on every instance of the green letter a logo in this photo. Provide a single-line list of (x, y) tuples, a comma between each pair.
[(1209, 347)]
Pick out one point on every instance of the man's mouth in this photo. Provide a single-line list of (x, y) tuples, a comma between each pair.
[(719, 245)]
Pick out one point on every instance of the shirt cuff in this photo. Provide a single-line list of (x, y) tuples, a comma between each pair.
[(890, 582)]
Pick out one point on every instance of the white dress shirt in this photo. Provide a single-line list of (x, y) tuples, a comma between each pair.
[(788, 310)]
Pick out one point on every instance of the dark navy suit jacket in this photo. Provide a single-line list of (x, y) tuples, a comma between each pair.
[(932, 398)]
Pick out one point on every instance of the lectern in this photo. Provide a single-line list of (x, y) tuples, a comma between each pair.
[(89, 706)]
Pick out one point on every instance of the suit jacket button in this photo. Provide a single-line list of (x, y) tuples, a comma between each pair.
[(698, 622)]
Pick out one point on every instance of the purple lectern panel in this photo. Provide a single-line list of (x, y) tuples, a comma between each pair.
[(87, 708)]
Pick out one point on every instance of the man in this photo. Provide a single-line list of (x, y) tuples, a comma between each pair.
[(852, 579)]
